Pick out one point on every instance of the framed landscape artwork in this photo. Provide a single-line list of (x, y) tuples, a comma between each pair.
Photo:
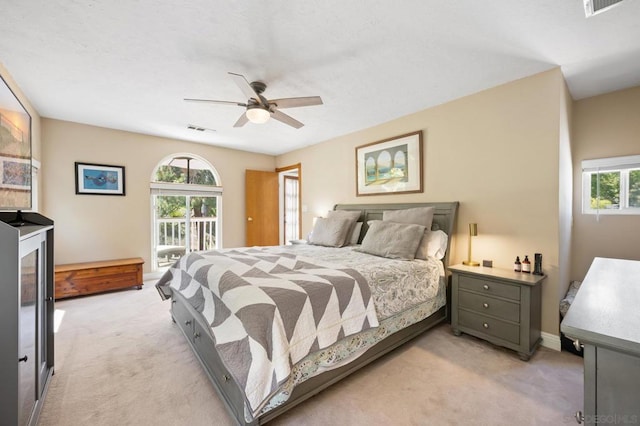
[(15, 152), (99, 179), (390, 166)]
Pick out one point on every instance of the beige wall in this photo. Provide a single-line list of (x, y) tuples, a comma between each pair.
[(604, 126), (497, 152), (93, 227), (565, 191), (35, 122)]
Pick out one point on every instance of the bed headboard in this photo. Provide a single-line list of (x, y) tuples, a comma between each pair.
[(444, 216)]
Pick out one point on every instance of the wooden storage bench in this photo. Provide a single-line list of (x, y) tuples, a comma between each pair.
[(77, 279)]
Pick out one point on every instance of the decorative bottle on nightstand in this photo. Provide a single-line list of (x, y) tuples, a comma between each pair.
[(526, 265), (517, 266)]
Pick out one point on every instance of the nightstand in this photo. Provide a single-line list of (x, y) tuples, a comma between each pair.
[(497, 305)]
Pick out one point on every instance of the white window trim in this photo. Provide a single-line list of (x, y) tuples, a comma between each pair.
[(183, 189), (611, 164), (163, 188)]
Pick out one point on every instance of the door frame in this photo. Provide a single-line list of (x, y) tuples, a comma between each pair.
[(281, 171)]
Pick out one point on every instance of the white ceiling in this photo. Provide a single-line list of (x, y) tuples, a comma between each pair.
[(128, 64)]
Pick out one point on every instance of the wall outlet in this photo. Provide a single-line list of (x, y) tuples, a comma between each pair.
[(487, 263)]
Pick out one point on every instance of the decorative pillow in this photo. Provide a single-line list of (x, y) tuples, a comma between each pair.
[(434, 244), (392, 240), (330, 232), (417, 215), (353, 216), (355, 234)]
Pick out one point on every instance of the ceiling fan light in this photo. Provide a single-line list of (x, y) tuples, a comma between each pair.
[(258, 115)]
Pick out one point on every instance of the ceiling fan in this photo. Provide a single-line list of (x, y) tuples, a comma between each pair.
[(258, 108)]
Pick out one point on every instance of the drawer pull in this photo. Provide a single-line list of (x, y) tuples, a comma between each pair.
[(187, 322), (578, 345), (225, 378), (485, 325), (579, 417), (486, 287), (485, 305), (23, 359), (196, 335)]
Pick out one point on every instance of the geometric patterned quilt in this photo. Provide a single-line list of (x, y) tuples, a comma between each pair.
[(269, 309)]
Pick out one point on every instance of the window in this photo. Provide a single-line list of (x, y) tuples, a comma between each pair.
[(186, 199), (611, 185)]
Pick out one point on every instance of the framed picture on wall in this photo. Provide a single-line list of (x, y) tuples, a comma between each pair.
[(15, 152), (390, 166), (99, 179)]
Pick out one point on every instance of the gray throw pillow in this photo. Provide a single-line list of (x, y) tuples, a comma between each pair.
[(330, 232), (353, 217), (392, 240), (417, 215)]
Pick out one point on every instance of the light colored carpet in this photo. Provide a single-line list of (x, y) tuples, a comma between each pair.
[(120, 360)]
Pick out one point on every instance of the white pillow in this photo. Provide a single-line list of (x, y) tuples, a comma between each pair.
[(330, 232), (433, 244)]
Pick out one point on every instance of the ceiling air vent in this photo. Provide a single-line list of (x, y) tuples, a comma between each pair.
[(593, 7), (199, 128)]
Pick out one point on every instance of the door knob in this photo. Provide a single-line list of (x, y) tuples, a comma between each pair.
[(249, 219)]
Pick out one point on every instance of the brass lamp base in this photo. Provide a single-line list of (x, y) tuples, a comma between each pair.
[(470, 263)]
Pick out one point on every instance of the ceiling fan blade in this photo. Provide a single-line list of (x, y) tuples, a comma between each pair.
[(246, 88), (211, 101), (296, 102), (242, 120), (286, 119)]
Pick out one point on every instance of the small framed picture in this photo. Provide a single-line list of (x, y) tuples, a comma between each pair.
[(99, 179)]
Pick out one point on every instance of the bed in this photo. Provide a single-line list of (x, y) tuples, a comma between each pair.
[(350, 313)]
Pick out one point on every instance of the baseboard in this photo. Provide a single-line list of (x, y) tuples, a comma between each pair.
[(551, 341)]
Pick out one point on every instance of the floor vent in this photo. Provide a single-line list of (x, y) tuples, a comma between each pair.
[(593, 7)]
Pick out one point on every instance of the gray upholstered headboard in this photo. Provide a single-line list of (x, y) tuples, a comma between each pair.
[(444, 217)]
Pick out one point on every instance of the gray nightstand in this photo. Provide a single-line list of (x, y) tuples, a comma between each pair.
[(498, 305)]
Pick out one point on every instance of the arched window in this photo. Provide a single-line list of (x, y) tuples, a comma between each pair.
[(186, 199)]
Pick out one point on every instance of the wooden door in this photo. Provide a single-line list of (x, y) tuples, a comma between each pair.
[(261, 208)]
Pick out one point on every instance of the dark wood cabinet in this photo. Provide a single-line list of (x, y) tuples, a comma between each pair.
[(26, 315)]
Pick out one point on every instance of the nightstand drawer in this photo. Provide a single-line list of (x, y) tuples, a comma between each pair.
[(489, 287), (489, 306), (490, 326)]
